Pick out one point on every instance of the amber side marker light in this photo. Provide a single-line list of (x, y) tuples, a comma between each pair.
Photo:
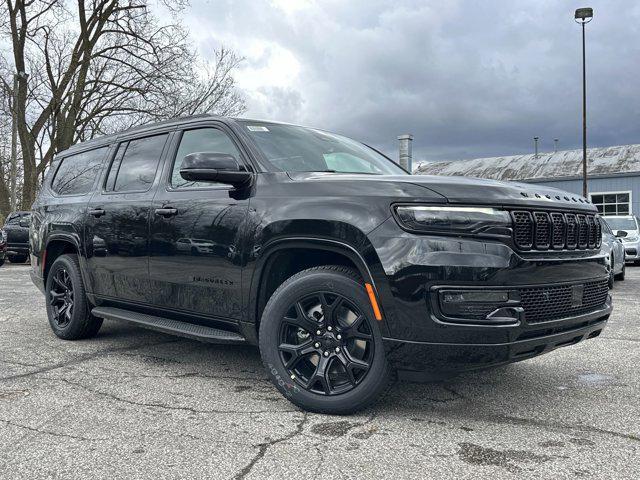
[(374, 302)]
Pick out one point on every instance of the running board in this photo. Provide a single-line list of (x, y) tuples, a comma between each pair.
[(167, 325)]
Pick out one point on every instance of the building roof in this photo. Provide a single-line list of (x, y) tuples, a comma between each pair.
[(603, 162)]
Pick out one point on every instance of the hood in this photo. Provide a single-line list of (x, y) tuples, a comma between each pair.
[(472, 190), (465, 190)]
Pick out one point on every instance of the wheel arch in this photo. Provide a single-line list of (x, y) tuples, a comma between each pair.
[(283, 258), (58, 244)]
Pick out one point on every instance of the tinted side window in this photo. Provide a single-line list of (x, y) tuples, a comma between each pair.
[(135, 164), (200, 140), (16, 217), (76, 173)]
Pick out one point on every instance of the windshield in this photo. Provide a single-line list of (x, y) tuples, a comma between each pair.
[(291, 148), (621, 223), (14, 218)]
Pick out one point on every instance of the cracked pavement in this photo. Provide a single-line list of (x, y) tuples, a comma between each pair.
[(139, 404)]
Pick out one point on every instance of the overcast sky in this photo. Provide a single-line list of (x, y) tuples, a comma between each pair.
[(466, 78)]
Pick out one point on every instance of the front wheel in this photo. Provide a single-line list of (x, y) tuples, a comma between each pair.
[(321, 344)]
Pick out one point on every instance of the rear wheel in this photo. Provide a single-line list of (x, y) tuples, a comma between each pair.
[(68, 310), (17, 258), (321, 344)]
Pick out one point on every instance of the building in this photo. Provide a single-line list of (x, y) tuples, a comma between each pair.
[(614, 174)]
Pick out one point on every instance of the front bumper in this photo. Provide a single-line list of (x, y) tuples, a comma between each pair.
[(415, 360), (631, 251), (17, 249), (418, 339)]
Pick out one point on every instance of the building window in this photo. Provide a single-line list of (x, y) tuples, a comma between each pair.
[(612, 203)]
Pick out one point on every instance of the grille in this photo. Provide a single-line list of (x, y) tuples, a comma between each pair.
[(572, 231), (544, 304), (583, 231), (559, 230), (523, 229), (541, 230)]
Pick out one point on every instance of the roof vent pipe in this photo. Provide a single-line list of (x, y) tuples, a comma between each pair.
[(406, 152)]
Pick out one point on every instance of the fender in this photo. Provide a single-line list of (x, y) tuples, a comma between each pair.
[(331, 245), (72, 239)]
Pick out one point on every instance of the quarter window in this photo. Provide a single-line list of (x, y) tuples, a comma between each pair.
[(612, 203), (135, 164), (209, 140), (76, 173)]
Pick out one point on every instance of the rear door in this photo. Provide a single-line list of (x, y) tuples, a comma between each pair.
[(196, 232), (60, 207), (117, 220)]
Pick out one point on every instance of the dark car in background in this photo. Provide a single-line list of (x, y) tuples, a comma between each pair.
[(3, 247), (15, 232), (341, 266)]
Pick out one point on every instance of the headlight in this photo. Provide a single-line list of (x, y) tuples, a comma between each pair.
[(453, 219), (629, 239), (3, 235)]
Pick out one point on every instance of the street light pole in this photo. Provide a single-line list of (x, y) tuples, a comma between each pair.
[(584, 16)]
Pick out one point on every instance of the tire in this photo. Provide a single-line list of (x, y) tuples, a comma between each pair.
[(17, 258), (620, 276), (611, 274), (357, 370), (1, 262), (68, 310)]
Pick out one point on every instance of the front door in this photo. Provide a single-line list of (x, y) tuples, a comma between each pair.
[(195, 263), (117, 226)]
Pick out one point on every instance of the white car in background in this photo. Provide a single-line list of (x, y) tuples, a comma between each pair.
[(614, 249), (195, 246), (627, 228)]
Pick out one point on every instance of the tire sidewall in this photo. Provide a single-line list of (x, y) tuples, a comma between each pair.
[(294, 289)]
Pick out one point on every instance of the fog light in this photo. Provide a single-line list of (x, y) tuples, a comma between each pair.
[(475, 296), (477, 304)]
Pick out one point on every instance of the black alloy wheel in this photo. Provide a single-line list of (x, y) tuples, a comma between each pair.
[(61, 297), (68, 309), (321, 344), (326, 343)]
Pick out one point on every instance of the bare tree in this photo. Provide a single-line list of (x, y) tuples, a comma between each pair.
[(101, 65)]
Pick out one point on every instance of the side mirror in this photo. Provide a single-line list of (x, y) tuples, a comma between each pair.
[(213, 167), (621, 234)]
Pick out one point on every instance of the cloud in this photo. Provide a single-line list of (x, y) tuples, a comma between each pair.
[(467, 78)]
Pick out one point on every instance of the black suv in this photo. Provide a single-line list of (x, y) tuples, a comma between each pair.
[(341, 266), (15, 234)]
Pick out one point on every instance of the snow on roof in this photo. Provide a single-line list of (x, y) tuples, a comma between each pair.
[(568, 163)]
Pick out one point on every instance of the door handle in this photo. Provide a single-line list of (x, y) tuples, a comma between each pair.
[(97, 212), (166, 211)]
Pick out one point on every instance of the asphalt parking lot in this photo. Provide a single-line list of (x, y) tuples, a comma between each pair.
[(138, 404)]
